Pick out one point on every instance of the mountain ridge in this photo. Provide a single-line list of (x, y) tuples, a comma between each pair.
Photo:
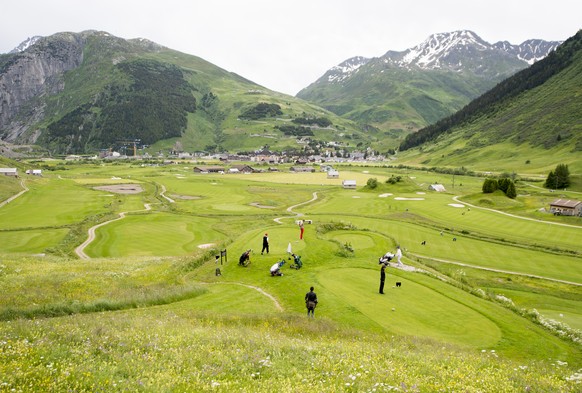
[(536, 112), (84, 92), (418, 86)]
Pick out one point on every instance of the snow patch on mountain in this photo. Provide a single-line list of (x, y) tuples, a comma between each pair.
[(24, 45), (430, 53), (529, 51), (346, 69), (457, 51)]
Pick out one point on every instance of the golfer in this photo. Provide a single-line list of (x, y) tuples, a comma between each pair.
[(382, 278), (310, 302), (265, 244), (399, 255)]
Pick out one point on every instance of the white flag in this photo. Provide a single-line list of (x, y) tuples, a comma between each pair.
[(289, 248)]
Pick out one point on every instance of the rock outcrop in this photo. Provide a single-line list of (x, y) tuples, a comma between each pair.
[(33, 73)]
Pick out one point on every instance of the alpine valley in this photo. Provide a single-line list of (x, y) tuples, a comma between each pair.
[(79, 93)]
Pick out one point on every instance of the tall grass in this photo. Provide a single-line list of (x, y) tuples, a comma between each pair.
[(190, 351)]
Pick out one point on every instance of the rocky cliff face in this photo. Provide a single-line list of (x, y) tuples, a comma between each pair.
[(25, 76)]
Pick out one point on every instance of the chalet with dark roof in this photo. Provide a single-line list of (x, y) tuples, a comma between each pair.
[(208, 169), (566, 207)]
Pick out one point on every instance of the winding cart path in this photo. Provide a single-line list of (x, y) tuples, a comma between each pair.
[(80, 251)]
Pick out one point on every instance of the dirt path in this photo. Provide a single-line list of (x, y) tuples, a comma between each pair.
[(163, 194), (258, 289), (515, 216), (80, 251), (290, 209), (13, 197), (496, 270)]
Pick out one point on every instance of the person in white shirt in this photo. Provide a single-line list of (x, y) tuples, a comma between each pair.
[(399, 255)]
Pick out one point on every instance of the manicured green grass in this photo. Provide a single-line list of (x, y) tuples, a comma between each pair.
[(52, 202), (154, 234), (32, 241), (407, 310)]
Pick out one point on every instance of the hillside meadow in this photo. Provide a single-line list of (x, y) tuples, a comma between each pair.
[(490, 297)]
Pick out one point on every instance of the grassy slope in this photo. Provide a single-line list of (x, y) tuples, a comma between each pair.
[(395, 99), (520, 136)]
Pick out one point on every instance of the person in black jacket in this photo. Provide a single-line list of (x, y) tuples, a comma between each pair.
[(382, 277), (265, 244), (245, 258), (310, 302)]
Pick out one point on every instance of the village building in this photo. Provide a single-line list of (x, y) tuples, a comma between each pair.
[(437, 188), (34, 172), (566, 207), (9, 172), (242, 169), (349, 184), (208, 169), (302, 169), (332, 174), (266, 158)]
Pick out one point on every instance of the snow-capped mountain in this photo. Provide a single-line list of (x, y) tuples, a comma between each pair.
[(412, 88), (455, 50), (345, 69), (449, 50), (529, 51), (26, 44)]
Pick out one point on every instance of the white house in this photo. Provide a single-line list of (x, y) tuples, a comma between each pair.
[(349, 184), (9, 172), (332, 174), (437, 187), (35, 172)]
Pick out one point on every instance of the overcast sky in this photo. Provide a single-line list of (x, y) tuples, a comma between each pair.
[(286, 45)]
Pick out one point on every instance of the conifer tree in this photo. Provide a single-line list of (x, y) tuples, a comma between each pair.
[(511, 192), (558, 178)]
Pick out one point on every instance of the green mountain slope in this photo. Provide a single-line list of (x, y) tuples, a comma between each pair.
[(100, 92), (401, 92), (393, 98), (533, 116)]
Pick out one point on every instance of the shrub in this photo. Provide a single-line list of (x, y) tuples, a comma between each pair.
[(490, 186), (261, 110), (372, 183)]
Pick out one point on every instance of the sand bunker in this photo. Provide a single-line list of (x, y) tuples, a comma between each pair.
[(121, 188), (420, 193), (207, 245), (408, 199), (384, 195), (355, 196), (456, 205)]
